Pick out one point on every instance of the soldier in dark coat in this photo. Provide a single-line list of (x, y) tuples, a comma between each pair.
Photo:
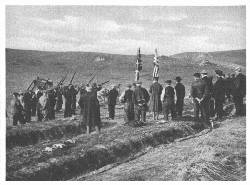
[(52, 103), (33, 103), (68, 102), (112, 96), (201, 97), (39, 114), (228, 87), (90, 110), (140, 99), (168, 99), (239, 92), (219, 94), (73, 92), (17, 110), (59, 100), (180, 95), (155, 105), (27, 100), (209, 82), (126, 98)]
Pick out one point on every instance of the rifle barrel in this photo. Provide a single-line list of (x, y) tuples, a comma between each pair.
[(72, 77), (30, 85)]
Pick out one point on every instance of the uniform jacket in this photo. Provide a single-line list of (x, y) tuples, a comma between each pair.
[(219, 90), (209, 83), (239, 85), (140, 96), (199, 89)]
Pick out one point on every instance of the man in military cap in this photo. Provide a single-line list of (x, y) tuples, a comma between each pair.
[(180, 94), (140, 99), (168, 99), (126, 98), (112, 96), (239, 91), (219, 94), (201, 97), (155, 105)]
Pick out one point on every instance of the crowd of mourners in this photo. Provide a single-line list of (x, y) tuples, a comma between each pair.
[(208, 99)]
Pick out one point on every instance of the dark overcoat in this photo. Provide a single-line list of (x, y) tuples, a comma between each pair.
[(90, 110), (219, 89), (155, 104)]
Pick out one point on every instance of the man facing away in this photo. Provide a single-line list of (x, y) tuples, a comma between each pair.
[(140, 99), (167, 97), (180, 95), (27, 100), (239, 91), (17, 110), (68, 101), (201, 97), (126, 98), (112, 96), (90, 110), (209, 83), (155, 105), (219, 94)]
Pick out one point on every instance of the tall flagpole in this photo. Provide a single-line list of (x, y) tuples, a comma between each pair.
[(138, 65), (156, 65)]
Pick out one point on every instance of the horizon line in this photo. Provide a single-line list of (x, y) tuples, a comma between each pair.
[(121, 53)]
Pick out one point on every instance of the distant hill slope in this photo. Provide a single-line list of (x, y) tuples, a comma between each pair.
[(232, 58), (22, 66)]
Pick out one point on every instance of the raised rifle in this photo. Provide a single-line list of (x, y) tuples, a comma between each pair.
[(72, 78), (92, 78), (30, 85), (104, 82), (62, 80)]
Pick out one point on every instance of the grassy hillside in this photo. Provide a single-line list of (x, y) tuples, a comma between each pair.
[(231, 58), (22, 66)]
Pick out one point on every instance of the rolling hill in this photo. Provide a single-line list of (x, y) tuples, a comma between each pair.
[(22, 66)]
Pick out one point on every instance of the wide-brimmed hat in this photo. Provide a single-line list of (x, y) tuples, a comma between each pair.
[(178, 78)]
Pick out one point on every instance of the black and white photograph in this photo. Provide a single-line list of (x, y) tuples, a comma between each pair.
[(124, 92)]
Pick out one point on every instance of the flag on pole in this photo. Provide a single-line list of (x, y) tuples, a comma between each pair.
[(138, 65), (156, 65)]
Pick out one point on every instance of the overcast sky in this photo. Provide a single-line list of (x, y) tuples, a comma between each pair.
[(114, 29)]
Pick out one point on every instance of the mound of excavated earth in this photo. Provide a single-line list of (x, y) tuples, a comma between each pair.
[(218, 155), (90, 153)]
